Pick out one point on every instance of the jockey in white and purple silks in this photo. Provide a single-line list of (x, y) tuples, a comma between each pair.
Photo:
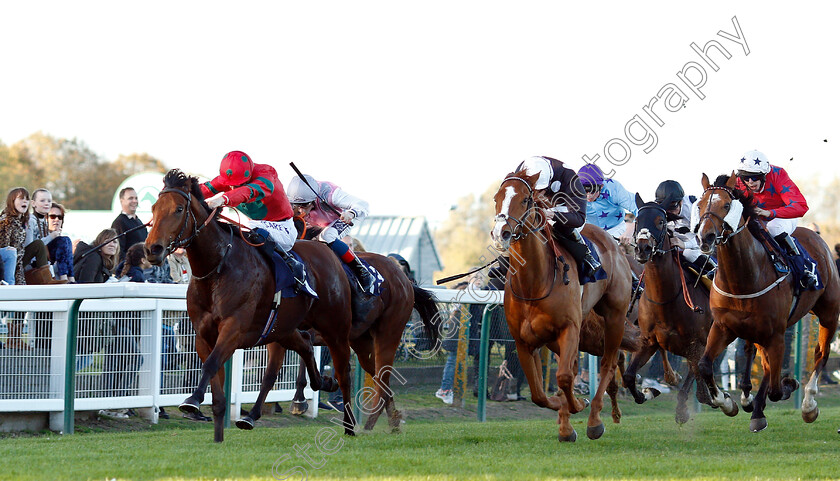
[(309, 206)]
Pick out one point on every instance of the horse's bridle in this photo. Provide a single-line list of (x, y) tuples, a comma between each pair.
[(521, 229), (645, 233), (722, 237), (188, 214)]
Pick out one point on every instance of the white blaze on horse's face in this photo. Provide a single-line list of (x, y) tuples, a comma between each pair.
[(501, 220)]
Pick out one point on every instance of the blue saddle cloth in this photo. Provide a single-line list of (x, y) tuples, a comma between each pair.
[(600, 274), (801, 264), (284, 282), (377, 277)]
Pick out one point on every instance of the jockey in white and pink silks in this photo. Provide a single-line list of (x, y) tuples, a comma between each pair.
[(308, 205)]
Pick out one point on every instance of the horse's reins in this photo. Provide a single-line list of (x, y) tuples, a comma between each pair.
[(720, 239), (518, 233)]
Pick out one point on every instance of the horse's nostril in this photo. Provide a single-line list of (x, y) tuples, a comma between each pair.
[(154, 250), (506, 236)]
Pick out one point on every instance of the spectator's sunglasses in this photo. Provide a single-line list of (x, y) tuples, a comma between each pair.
[(56, 216), (752, 178), (591, 188)]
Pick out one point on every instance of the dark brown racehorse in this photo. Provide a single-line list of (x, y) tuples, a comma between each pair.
[(545, 304), (674, 313), (231, 293), (375, 340), (750, 300)]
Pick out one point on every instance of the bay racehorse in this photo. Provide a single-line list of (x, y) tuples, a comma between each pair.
[(545, 303), (232, 290), (674, 313), (375, 340), (752, 301)]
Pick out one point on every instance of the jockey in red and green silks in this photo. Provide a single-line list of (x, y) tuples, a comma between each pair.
[(309, 206), (255, 190)]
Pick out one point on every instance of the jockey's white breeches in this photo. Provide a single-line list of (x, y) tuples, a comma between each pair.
[(778, 226), (282, 232)]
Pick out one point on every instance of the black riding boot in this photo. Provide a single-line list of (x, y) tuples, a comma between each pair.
[(364, 276), (706, 266), (296, 266), (809, 278), (589, 261)]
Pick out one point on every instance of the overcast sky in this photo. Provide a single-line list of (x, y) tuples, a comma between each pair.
[(412, 105)]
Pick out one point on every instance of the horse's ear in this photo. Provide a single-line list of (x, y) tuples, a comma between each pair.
[(639, 201), (733, 180), (705, 181)]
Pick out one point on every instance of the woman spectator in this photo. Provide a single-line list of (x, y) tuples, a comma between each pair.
[(98, 265), (131, 268), (61, 248), (13, 221)]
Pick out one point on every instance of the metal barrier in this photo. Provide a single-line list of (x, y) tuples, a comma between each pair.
[(130, 345)]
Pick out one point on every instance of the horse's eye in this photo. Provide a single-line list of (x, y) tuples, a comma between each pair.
[(727, 206), (179, 209)]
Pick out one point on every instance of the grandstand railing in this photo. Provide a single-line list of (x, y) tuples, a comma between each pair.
[(128, 345)]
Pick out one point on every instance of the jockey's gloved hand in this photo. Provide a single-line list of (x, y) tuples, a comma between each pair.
[(217, 200), (347, 217)]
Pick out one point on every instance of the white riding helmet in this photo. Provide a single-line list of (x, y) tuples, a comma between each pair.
[(753, 162), (539, 165), (299, 193)]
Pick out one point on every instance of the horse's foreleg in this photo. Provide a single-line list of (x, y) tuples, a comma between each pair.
[(276, 355), (526, 357), (745, 384), (682, 416), (612, 392), (757, 420), (299, 404), (637, 361), (668, 374), (612, 341), (718, 339), (212, 362), (566, 349), (340, 352), (217, 386)]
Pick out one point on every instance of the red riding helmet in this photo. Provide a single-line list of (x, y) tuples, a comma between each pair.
[(236, 168)]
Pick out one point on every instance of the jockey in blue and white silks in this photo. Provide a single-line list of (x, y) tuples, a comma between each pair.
[(607, 203)]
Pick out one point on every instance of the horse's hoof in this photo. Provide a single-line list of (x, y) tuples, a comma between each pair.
[(730, 407), (650, 393), (188, 407), (758, 424), (595, 432), (299, 408), (810, 416), (245, 423), (585, 405), (570, 438), (682, 416), (349, 432)]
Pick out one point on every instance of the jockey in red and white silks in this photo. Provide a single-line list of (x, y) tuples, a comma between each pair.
[(778, 199)]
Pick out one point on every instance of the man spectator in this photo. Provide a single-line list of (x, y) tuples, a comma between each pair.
[(128, 220)]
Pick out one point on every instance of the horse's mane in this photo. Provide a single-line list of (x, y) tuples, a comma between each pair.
[(176, 179), (747, 199)]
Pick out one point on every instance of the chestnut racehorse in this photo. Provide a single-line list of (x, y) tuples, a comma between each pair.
[(752, 301), (674, 315), (232, 291), (545, 305)]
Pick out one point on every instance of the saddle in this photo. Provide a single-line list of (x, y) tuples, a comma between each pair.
[(797, 265)]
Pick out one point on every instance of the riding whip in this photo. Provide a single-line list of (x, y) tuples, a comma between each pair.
[(458, 276), (323, 202), (114, 238)]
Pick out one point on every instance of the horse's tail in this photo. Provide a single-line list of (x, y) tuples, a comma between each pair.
[(632, 339), (425, 304)]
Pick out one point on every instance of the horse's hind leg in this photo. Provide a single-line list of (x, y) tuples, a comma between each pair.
[(217, 386), (340, 353), (276, 355), (718, 339), (828, 327), (670, 376), (612, 341), (299, 404), (370, 402)]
